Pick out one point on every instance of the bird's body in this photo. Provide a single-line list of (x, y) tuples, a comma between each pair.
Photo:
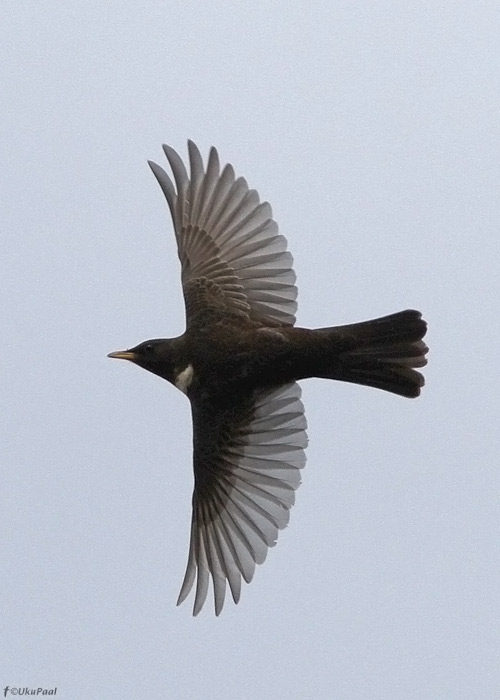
[(238, 363), (228, 358)]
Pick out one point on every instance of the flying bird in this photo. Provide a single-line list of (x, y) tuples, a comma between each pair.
[(239, 361)]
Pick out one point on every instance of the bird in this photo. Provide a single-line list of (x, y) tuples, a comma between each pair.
[(239, 362)]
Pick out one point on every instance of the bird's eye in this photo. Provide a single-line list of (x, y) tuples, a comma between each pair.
[(149, 347)]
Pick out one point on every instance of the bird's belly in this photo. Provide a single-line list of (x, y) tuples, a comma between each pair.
[(242, 366)]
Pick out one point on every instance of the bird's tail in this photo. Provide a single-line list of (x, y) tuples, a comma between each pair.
[(383, 353)]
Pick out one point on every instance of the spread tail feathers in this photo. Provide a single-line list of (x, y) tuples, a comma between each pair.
[(384, 353)]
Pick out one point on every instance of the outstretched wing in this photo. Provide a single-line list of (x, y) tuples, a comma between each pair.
[(247, 461), (233, 259)]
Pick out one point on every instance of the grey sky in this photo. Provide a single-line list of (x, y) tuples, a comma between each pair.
[(373, 130)]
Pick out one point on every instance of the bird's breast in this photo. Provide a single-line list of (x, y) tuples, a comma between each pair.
[(184, 378), (232, 362)]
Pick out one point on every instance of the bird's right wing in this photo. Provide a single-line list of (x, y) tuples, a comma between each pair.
[(234, 261), (247, 461)]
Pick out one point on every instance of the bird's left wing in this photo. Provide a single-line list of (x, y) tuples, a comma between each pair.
[(247, 461), (234, 261)]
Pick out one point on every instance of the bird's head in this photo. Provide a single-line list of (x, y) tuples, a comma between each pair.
[(156, 356)]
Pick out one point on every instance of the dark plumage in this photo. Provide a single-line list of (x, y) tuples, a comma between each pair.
[(238, 363)]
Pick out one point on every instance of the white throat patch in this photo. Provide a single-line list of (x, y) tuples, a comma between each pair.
[(183, 379)]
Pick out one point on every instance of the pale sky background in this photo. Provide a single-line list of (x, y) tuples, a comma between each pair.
[(373, 130)]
